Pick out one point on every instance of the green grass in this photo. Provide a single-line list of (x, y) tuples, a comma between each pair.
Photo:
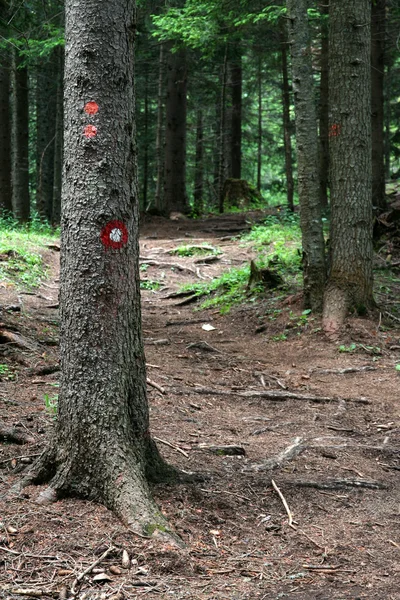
[(149, 284), (190, 250), (20, 261)]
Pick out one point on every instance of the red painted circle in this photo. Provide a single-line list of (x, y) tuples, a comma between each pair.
[(114, 234), (90, 131), (91, 108)]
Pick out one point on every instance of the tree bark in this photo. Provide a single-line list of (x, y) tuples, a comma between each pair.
[(20, 141), (307, 156), (198, 169), (5, 136), (146, 139), (259, 123), (287, 129), (236, 117), (221, 140), (324, 108), (102, 449), (59, 141), (378, 22), (158, 199), (350, 280), (175, 198), (46, 115)]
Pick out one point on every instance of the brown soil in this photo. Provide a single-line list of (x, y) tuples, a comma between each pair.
[(345, 541)]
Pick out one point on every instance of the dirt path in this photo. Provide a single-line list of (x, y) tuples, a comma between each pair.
[(218, 388)]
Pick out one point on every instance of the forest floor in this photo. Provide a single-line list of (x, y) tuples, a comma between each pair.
[(336, 412)]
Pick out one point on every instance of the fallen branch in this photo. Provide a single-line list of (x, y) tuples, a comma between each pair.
[(30, 592), (203, 346), (340, 484), (279, 395), (173, 446), (343, 371), (166, 265), (285, 504), (8, 337), (295, 448), (11, 434), (155, 385), (90, 568)]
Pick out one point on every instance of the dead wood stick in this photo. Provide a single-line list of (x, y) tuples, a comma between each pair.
[(339, 484), (279, 395), (11, 434), (173, 446), (343, 371), (31, 592), (153, 366), (166, 265), (285, 504), (155, 385), (90, 568), (288, 453)]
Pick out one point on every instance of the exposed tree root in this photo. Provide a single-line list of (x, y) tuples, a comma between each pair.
[(340, 484), (16, 436), (295, 448)]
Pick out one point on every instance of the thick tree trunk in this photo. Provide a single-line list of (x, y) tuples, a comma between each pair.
[(46, 115), (287, 129), (102, 448), (20, 141), (59, 140), (175, 198), (236, 117), (199, 166), (350, 280), (307, 156), (5, 135), (324, 109), (378, 21)]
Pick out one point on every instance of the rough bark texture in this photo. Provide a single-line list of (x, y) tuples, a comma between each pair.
[(350, 279), (20, 140), (46, 115), (221, 140), (307, 155), (175, 198), (324, 109), (378, 21), (158, 198), (5, 135), (198, 169), (236, 118), (102, 448), (59, 141), (287, 130)]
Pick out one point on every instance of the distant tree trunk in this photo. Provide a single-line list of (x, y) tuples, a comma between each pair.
[(20, 141), (387, 116), (222, 116), (198, 170), (287, 129), (46, 114), (158, 199), (175, 198), (102, 449), (324, 108), (58, 142), (146, 139), (5, 135), (350, 280), (236, 122), (259, 123), (378, 21), (307, 156)]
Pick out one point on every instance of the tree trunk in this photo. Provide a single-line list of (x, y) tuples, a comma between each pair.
[(146, 139), (5, 136), (221, 141), (387, 116), (102, 449), (175, 198), (198, 169), (307, 156), (378, 21), (324, 108), (236, 118), (259, 123), (46, 115), (158, 199), (287, 129), (350, 280), (20, 141), (58, 142)]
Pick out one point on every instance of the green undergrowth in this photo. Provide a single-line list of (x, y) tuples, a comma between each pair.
[(277, 243), (191, 250), (21, 263)]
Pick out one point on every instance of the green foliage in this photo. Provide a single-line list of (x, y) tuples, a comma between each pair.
[(149, 284), (189, 250), (51, 405), (6, 373), (20, 261)]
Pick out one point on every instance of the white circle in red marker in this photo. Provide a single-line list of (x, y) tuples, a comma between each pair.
[(90, 131), (114, 234)]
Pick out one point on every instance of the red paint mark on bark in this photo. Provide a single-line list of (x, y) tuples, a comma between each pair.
[(91, 108), (335, 130), (90, 131), (114, 234)]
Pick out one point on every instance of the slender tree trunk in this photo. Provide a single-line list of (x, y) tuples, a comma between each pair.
[(287, 129), (350, 280), (146, 140), (198, 170), (102, 448), (158, 199), (324, 109), (59, 141), (175, 198), (378, 21), (20, 141), (387, 117), (46, 114), (222, 113), (236, 120), (307, 156), (5, 135), (259, 123)]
